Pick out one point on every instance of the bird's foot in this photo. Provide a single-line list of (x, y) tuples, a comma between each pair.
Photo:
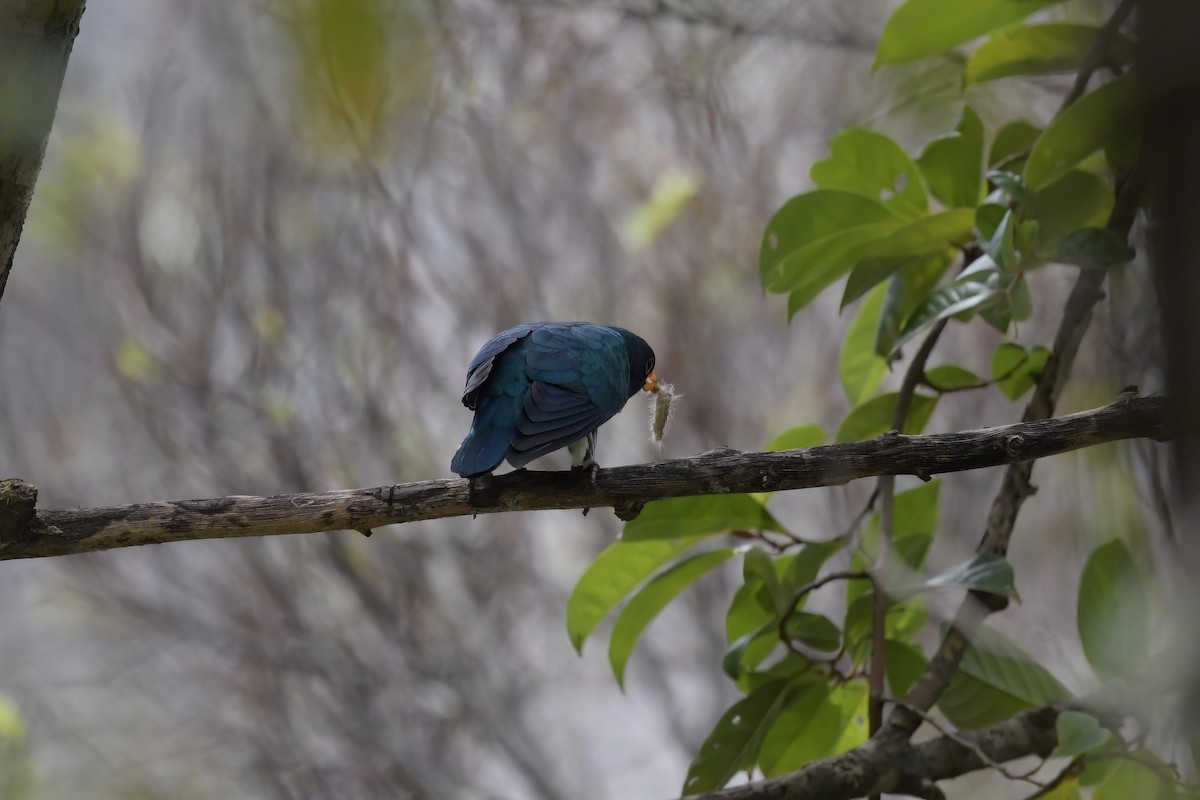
[(589, 472)]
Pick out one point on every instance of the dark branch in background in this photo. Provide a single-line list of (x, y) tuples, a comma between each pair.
[(1172, 129), (35, 43), (1170, 64), (717, 19), (626, 489)]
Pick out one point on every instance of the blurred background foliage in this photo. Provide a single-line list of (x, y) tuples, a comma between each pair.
[(267, 239)]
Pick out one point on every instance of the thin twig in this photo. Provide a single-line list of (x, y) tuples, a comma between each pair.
[(981, 385), (1097, 52), (954, 736), (798, 597)]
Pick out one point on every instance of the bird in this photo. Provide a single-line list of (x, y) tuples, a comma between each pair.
[(542, 386)]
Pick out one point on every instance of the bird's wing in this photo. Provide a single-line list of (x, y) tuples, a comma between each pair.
[(552, 417), (481, 365), (589, 359)]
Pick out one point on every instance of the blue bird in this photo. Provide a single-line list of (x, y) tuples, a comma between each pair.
[(543, 386)]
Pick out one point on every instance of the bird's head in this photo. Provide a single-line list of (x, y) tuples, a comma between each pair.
[(641, 363)]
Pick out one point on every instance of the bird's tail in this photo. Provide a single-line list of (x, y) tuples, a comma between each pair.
[(492, 430)]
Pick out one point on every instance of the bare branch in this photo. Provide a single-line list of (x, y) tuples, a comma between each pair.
[(64, 532)]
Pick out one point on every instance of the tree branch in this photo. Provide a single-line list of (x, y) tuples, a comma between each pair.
[(626, 489), (1015, 488), (35, 43), (894, 764)]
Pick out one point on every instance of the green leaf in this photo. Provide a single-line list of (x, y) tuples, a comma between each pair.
[(750, 630), (734, 743), (999, 314), (903, 621), (811, 727), (1012, 186), (925, 236), (944, 303), (615, 573), (914, 520), (1094, 248), (1113, 613), (797, 438), (805, 731), (1095, 772), (1038, 50), (874, 417), (815, 630), (1011, 139), (746, 614), (921, 28), (1002, 246), (808, 562), (852, 699), (988, 217), (871, 164), (1078, 733), (996, 680), (870, 272), (644, 606), (1082, 129), (1067, 790), (811, 216), (903, 664), (750, 649), (1020, 300), (1127, 780), (811, 268), (984, 572), (953, 164), (750, 626), (1017, 370), (921, 276), (859, 367), (698, 516), (911, 282), (915, 514), (1076, 200), (756, 564), (890, 318), (948, 377)]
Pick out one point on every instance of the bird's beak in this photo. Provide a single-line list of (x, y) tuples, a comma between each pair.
[(651, 384)]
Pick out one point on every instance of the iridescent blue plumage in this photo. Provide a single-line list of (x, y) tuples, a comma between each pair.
[(543, 386)]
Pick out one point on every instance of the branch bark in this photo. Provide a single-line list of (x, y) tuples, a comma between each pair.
[(626, 489), (35, 42)]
